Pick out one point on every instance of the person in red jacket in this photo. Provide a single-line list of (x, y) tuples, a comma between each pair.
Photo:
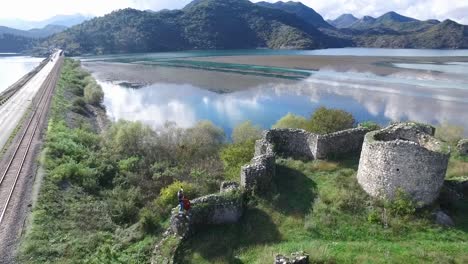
[(180, 196)]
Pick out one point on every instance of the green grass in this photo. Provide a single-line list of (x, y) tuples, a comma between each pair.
[(319, 208), (70, 223)]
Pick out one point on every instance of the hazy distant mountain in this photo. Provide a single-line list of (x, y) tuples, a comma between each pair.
[(33, 33), (59, 20), (393, 21), (343, 21), (302, 11), (203, 24), (446, 35)]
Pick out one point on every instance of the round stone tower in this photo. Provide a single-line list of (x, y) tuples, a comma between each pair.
[(403, 157)]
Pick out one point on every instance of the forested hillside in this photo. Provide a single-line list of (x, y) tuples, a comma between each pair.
[(205, 24), (241, 24)]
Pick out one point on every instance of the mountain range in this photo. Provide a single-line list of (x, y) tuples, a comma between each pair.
[(241, 24), (59, 20)]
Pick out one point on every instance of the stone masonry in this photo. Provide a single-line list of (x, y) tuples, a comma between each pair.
[(403, 157), (258, 175), (462, 147), (297, 143)]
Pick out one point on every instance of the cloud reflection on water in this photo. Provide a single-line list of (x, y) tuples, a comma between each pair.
[(378, 98)]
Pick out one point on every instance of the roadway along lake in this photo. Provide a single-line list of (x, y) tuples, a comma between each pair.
[(12, 68), (262, 86)]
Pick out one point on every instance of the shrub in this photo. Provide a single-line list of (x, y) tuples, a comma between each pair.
[(202, 140), (449, 133), (370, 125), (79, 106), (402, 205), (125, 204), (245, 132), (325, 121), (168, 196), (150, 220), (93, 93), (236, 155), (130, 139), (291, 121)]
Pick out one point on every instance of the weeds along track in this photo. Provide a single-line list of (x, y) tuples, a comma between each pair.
[(20, 161)]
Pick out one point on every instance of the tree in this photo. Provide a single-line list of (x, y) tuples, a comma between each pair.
[(246, 132), (325, 121), (291, 121)]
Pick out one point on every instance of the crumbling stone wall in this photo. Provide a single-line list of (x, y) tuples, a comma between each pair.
[(295, 143), (340, 143), (462, 147), (298, 143), (226, 207), (403, 157), (257, 175)]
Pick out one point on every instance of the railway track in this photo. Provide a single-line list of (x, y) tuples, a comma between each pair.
[(18, 165)]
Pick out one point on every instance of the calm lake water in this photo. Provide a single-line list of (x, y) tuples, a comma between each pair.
[(12, 68), (416, 94)]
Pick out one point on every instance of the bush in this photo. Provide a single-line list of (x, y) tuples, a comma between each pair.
[(93, 93), (370, 125), (168, 196), (125, 204), (130, 139), (245, 132), (150, 220), (202, 140), (235, 156), (402, 205), (79, 106), (450, 133), (325, 121), (291, 121)]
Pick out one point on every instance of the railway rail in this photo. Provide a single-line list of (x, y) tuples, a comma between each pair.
[(17, 164)]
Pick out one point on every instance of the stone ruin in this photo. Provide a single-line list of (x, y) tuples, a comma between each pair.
[(226, 207), (462, 147), (298, 143), (296, 258), (403, 157), (295, 143), (257, 175)]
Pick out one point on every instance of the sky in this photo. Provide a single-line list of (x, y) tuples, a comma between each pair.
[(421, 9)]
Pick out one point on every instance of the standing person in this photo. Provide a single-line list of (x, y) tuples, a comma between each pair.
[(180, 196)]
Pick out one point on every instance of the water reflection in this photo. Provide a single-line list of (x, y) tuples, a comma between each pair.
[(13, 68), (369, 97)]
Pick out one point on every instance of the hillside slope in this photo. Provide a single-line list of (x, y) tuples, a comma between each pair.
[(300, 10), (203, 24), (343, 21)]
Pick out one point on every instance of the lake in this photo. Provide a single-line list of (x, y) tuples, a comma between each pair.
[(421, 85), (12, 68)]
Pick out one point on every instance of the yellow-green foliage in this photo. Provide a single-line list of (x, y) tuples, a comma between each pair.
[(93, 93), (168, 195), (246, 132), (291, 121), (234, 156), (325, 121), (322, 121), (449, 133)]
